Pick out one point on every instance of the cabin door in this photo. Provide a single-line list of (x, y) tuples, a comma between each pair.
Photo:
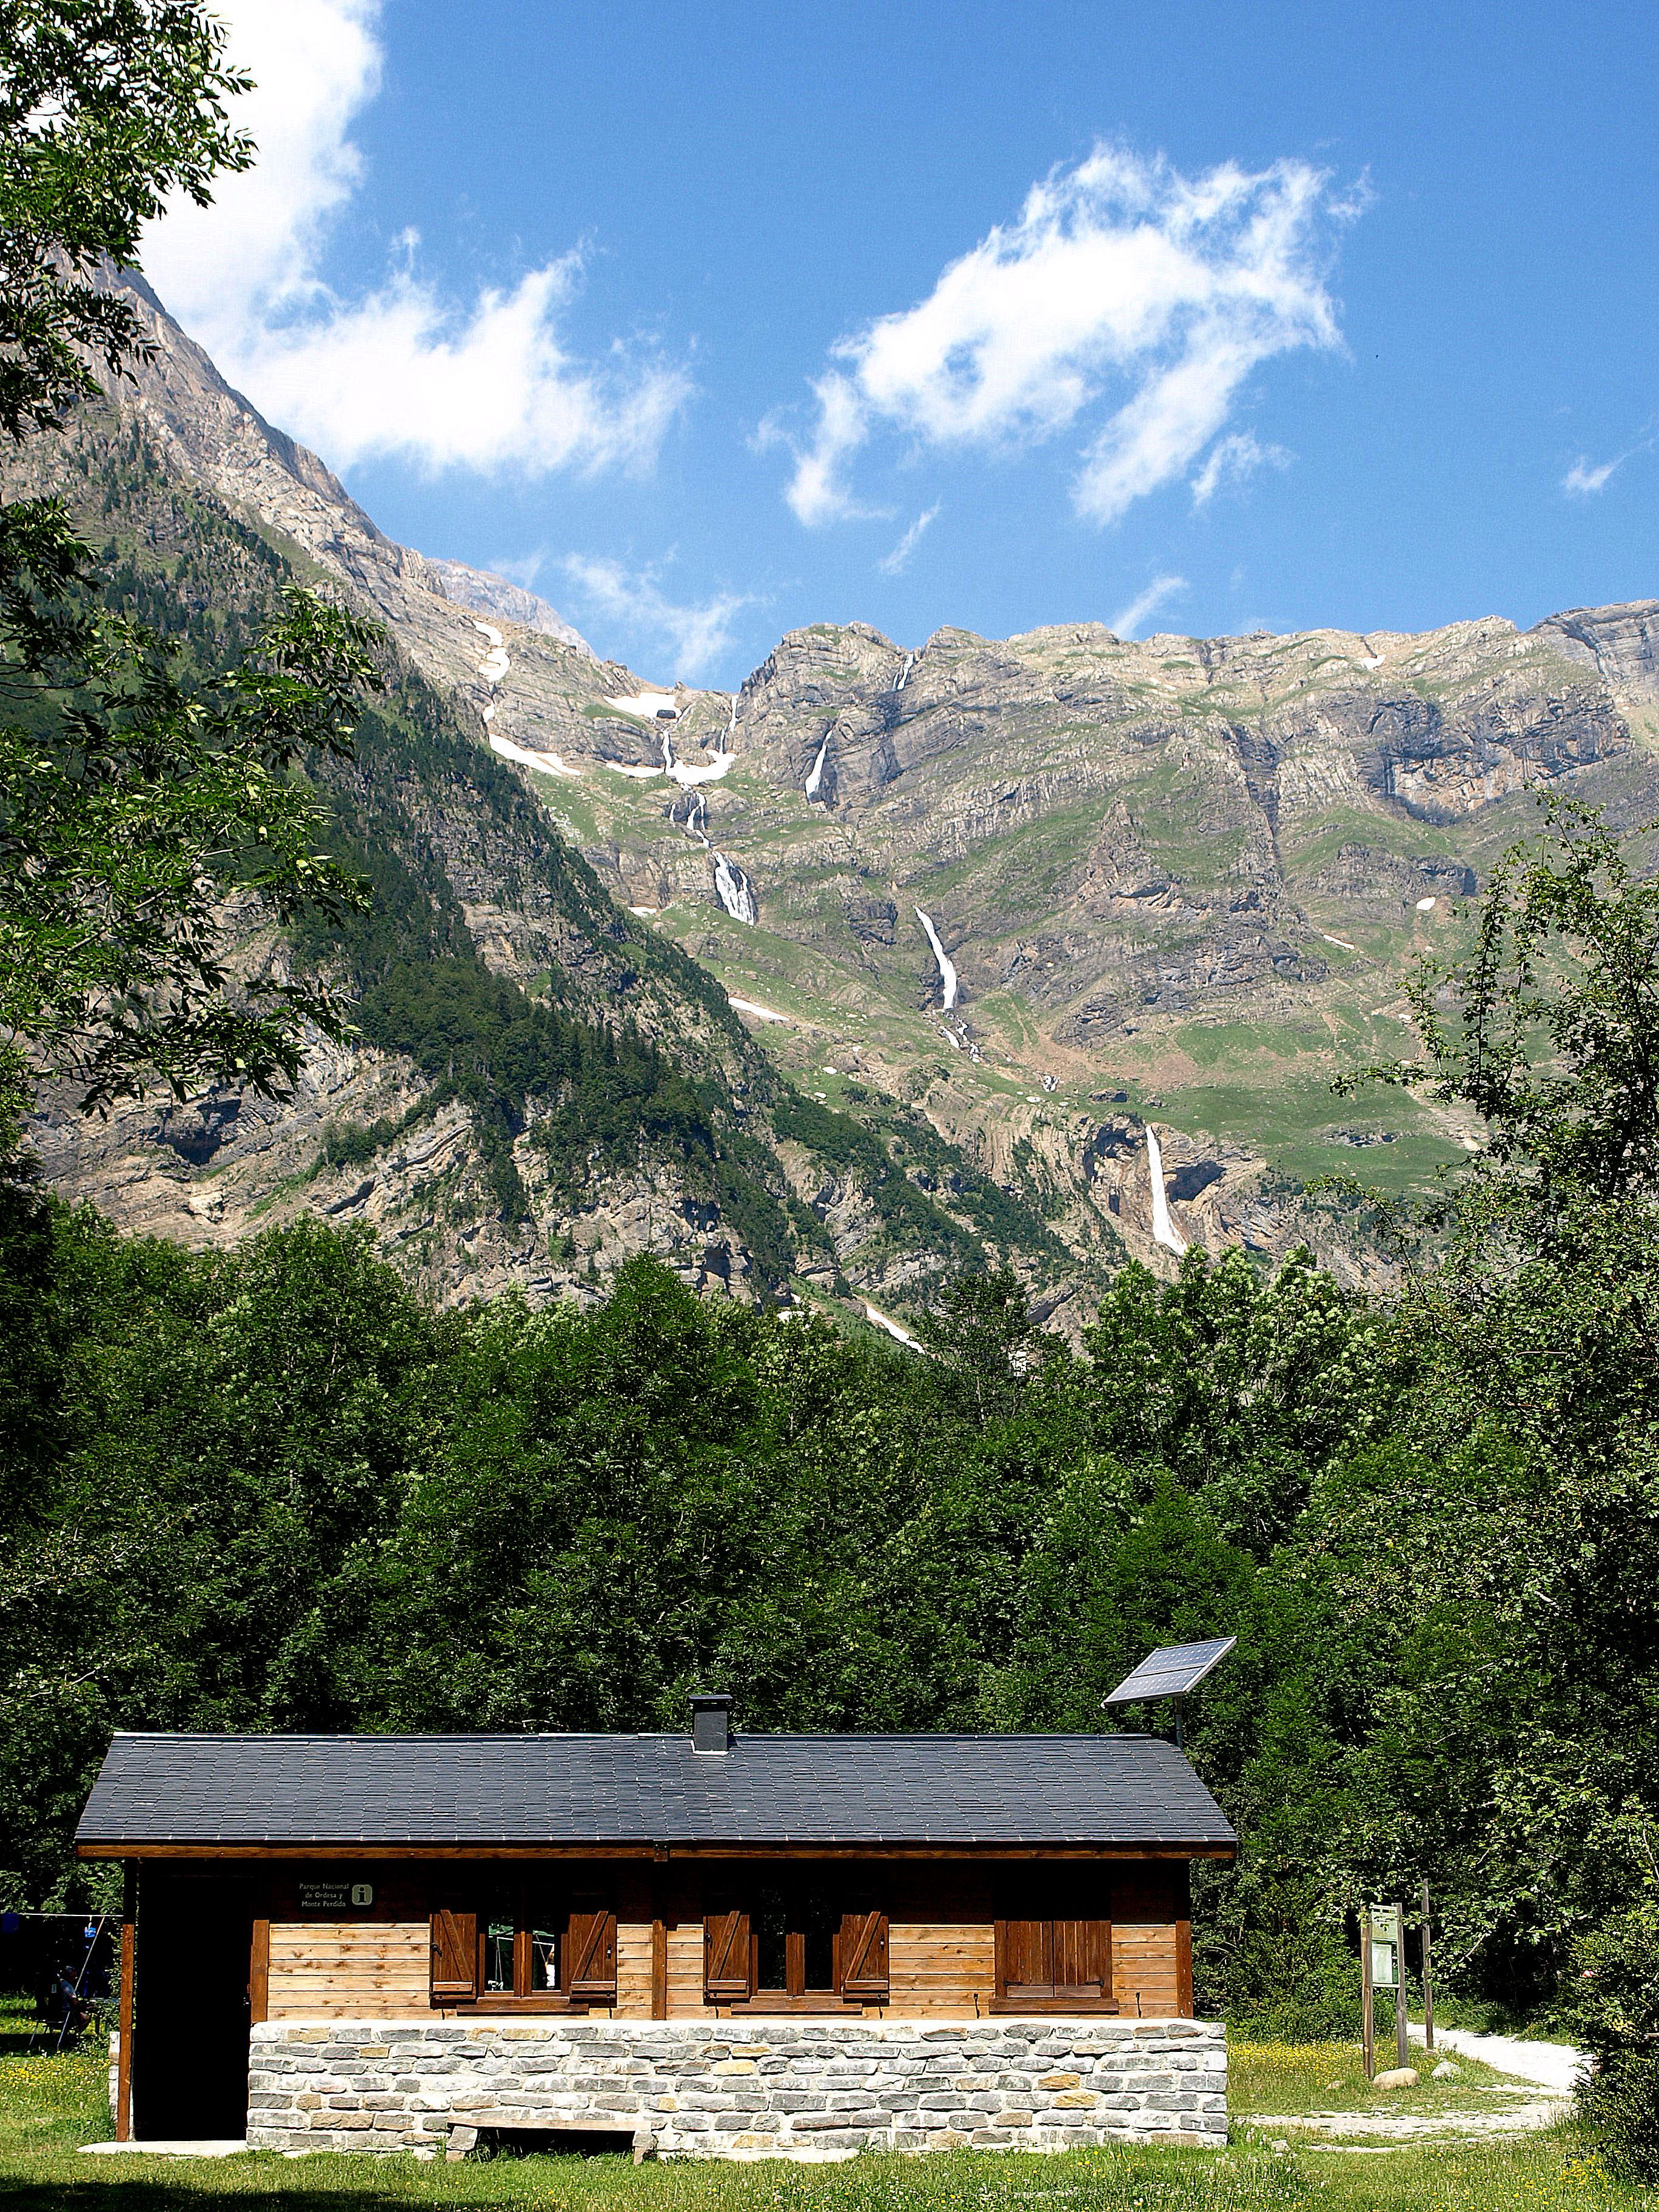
[(190, 2043)]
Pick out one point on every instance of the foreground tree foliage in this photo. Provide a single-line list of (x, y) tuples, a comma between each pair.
[(137, 806)]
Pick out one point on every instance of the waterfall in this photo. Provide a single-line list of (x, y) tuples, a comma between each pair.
[(697, 815), (947, 973), (1165, 1231), (816, 776), (910, 662), (735, 892)]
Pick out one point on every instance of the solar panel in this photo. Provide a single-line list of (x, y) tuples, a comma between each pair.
[(1172, 1671)]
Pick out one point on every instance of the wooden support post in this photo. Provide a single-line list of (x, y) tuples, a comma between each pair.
[(663, 1888), (1367, 1995), (123, 2029), (1184, 1968), (659, 1966), (258, 1974), (1402, 2049), (1428, 1976)]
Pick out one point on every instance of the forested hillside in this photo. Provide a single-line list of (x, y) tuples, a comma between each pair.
[(273, 1489)]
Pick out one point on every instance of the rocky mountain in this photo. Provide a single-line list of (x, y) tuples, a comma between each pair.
[(542, 1086), (488, 594), (1047, 945)]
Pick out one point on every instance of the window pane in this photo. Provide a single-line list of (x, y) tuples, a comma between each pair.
[(544, 1961), (819, 1922), (498, 1955), (769, 1924)]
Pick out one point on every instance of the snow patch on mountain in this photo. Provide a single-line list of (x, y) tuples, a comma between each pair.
[(646, 706), (543, 763)]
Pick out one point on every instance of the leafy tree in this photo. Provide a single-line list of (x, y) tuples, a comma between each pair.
[(1244, 1386), (135, 809), (135, 805), (1550, 1029), (1615, 2018), (106, 107)]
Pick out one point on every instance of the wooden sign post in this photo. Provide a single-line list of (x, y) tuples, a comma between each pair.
[(1368, 2024), (1402, 2049), (1428, 1976)]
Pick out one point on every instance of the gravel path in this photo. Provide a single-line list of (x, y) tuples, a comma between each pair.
[(1553, 2065)]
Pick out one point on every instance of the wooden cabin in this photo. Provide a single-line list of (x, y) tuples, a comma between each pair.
[(287, 1894)]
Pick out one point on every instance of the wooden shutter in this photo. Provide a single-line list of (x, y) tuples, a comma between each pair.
[(454, 1956), (1082, 1958), (727, 1973), (591, 1952), (864, 1956), (1027, 1962)]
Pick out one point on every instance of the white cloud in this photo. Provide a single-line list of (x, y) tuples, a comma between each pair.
[(695, 636), (1127, 620), (1231, 460), (1582, 479), (400, 370), (896, 562), (813, 493), (1120, 278)]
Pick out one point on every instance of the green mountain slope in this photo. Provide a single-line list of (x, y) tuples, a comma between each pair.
[(542, 1085)]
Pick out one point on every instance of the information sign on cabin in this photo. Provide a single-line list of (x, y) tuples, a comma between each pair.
[(335, 1896), (292, 1900)]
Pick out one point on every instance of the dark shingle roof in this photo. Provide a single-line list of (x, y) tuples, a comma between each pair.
[(618, 1790)]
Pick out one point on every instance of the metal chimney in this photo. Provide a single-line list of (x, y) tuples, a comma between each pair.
[(711, 1722)]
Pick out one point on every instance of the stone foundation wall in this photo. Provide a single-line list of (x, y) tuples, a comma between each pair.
[(792, 2088)]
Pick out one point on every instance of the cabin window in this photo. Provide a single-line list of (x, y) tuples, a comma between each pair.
[(519, 1957), (1059, 1965), (520, 1950), (795, 1946)]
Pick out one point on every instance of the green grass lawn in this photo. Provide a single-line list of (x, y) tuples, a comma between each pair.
[(49, 2105), (1286, 2078)]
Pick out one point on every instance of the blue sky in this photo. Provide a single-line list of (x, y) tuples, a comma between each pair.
[(713, 320)]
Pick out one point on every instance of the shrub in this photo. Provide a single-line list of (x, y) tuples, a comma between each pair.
[(1615, 2018)]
